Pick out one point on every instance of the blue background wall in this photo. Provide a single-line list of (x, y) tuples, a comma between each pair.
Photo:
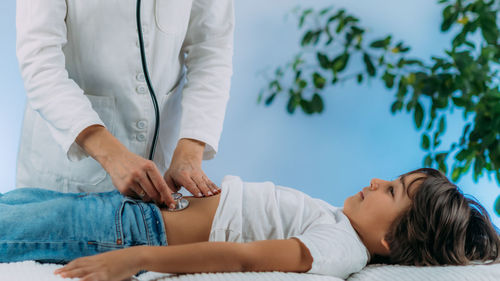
[(330, 156)]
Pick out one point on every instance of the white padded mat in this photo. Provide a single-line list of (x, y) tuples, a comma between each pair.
[(436, 273), (30, 270)]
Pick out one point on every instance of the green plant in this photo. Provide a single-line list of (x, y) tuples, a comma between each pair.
[(464, 78)]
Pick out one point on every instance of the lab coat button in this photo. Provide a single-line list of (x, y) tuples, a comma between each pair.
[(141, 124), (141, 89), (141, 137), (140, 77)]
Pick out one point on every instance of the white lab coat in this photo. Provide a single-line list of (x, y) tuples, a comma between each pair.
[(80, 61)]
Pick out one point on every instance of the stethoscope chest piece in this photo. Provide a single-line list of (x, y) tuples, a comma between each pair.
[(180, 203)]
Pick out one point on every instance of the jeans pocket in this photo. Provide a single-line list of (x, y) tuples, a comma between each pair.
[(131, 224), (112, 236)]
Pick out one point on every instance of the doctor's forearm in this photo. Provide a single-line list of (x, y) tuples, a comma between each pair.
[(99, 143)]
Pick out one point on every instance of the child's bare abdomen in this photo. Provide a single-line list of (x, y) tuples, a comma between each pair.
[(192, 224)]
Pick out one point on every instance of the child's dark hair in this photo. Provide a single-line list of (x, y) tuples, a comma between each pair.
[(441, 226)]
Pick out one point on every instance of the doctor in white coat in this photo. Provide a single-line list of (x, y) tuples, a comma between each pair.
[(87, 95)]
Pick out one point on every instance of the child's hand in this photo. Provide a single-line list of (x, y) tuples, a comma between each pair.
[(114, 265)]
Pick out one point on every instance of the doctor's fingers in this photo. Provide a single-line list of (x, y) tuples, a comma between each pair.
[(148, 187), (211, 185), (136, 191), (190, 185), (164, 190), (205, 184), (202, 185)]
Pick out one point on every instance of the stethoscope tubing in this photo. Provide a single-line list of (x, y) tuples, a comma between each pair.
[(148, 81), (181, 203)]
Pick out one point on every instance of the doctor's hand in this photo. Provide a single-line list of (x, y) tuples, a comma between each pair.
[(131, 174), (185, 169)]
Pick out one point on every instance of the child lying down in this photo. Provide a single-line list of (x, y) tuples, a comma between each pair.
[(420, 218)]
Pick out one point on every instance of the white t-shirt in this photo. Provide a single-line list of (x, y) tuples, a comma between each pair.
[(263, 211)]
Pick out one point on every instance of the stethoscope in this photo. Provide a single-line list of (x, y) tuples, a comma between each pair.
[(181, 203)]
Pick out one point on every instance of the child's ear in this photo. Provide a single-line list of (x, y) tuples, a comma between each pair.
[(385, 244)]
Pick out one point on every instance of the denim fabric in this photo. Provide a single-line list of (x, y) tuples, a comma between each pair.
[(50, 226)]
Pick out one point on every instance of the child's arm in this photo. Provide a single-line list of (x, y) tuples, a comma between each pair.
[(267, 255)]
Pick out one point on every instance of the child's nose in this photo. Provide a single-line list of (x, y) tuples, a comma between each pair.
[(374, 184)]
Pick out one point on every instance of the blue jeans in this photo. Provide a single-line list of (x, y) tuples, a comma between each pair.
[(50, 226)]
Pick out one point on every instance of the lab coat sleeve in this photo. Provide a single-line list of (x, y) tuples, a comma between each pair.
[(41, 36), (209, 48)]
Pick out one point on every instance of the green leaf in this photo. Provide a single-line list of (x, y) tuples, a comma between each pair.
[(489, 27), (325, 10), (340, 26), (478, 167), (259, 98), (418, 115), (301, 83), (323, 60), (339, 63), (440, 159), (449, 17), (297, 62), (389, 79), (383, 43), (292, 104), (317, 103), (462, 155), (461, 102), (319, 81), (378, 44), (455, 174), (306, 107), (459, 39), (304, 16), (370, 68), (339, 14), (442, 124), (359, 78), (308, 37), (426, 142), (270, 99), (428, 161), (436, 141), (396, 106), (463, 138), (297, 75), (497, 205)]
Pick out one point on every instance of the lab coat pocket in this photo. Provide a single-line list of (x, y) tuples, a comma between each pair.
[(50, 159), (172, 16)]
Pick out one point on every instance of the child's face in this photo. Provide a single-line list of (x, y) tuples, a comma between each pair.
[(372, 211)]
